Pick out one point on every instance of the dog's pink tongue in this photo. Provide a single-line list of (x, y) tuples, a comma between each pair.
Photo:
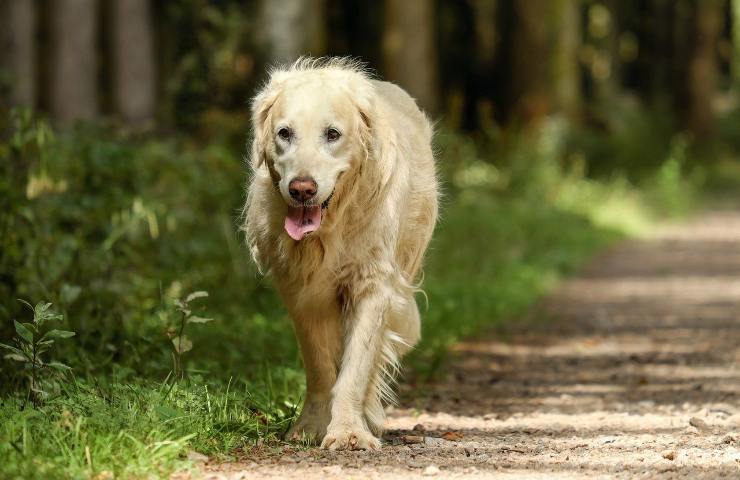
[(302, 220)]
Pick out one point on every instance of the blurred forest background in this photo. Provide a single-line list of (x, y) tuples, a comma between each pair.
[(475, 63), (563, 126)]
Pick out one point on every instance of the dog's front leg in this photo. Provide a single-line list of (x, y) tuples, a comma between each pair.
[(320, 339), (364, 325)]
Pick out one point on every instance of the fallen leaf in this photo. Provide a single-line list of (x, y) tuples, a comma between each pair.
[(452, 436)]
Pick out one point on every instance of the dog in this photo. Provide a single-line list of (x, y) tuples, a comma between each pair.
[(341, 206)]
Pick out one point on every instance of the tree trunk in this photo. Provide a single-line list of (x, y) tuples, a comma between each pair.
[(134, 71), (702, 68), (609, 89), (565, 72), (74, 92), (409, 50), (291, 28), (736, 43), (528, 87), (485, 15), (18, 50), (481, 86), (661, 23)]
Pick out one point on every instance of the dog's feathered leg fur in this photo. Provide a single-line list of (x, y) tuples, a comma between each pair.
[(401, 334), (380, 392)]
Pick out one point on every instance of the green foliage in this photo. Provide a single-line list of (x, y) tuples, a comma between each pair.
[(31, 345), (210, 62), (671, 190), (114, 229), (633, 141)]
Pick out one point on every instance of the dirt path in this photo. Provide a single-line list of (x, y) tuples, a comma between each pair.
[(634, 373)]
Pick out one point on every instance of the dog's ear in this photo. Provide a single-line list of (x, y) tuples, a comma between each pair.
[(261, 107), (377, 138)]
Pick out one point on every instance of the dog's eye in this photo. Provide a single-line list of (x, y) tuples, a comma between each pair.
[(285, 133), (332, 135)]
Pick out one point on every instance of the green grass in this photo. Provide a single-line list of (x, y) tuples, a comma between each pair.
[(114, 230), (134, 429)]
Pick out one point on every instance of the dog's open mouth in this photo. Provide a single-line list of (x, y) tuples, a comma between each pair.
[(304, 219)]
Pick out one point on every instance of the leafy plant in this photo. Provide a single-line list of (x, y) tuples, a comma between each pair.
[(672, 188), (181, 343), (30, 345)]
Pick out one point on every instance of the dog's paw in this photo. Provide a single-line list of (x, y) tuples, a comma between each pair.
[(350, 439), (309, 429)]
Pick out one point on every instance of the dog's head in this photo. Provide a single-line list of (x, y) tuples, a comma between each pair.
[(311, 128)]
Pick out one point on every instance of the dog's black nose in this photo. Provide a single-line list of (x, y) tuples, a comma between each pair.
[(302, 189)]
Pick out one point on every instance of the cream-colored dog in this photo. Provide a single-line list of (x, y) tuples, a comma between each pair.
[(341, 207)]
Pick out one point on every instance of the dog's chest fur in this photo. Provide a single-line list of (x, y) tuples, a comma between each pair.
[(314, 275)]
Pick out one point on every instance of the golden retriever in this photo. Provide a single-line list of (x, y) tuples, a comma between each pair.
[(340, 208)]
